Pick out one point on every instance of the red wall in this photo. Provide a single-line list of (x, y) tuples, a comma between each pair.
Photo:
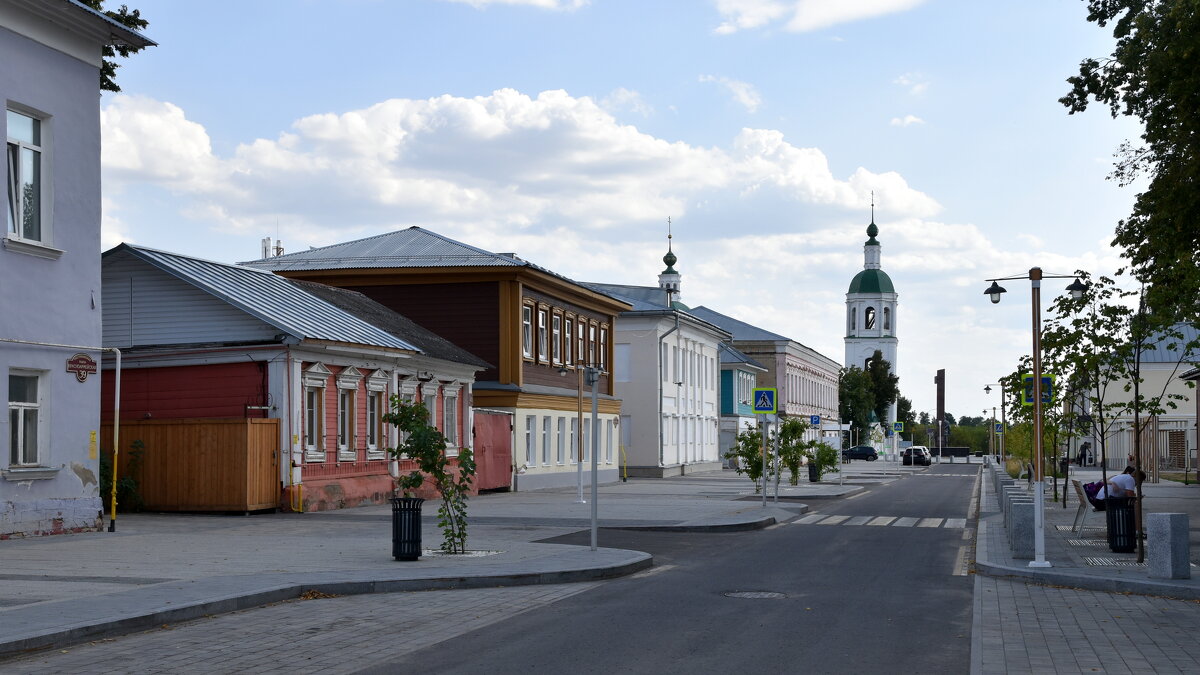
[(215, 390)]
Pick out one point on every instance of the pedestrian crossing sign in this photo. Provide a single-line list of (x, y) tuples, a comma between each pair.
[(764, 401), (999, 428), (897, 427)]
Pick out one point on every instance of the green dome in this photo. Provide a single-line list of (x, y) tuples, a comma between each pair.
[(871, 281), (670, 260)]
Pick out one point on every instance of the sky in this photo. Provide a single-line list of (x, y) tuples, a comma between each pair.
[(569, 131)]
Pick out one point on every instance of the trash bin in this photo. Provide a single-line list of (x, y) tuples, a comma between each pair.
[(813, 474), (1063, 464), (1122, 536), (406, 527)]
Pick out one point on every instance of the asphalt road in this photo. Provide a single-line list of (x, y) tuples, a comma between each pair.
[(882, 597)]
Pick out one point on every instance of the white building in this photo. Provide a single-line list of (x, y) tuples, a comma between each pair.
[(667, 374), (871, 313)]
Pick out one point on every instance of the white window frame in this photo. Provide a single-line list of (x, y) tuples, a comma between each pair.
[(450, 417), (14, 237), (347, 414), (377, 385), (580, 340), (315, 379), (527, 331), (608, 441), (560, 456), (530, 440), (603, 349), (568, 338), (592, 344), (546, 435), (556, 339), (543, 338), (16, 453), (573, 453)]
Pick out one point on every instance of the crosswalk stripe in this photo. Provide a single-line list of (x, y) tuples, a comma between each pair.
[(811, 518), (930, 522), (833, 520), (858, 520), (882, 521), (904, 522), (956, 522)]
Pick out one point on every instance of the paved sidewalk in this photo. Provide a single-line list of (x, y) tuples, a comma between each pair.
[(164, 568), (1093, 610)]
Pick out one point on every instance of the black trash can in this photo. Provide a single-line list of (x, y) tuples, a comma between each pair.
[(813, 474), (1122, 535), (406, 527)]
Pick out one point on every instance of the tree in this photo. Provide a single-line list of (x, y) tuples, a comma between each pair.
[(904, 412), (924, 418), (884, 385), (747, 451), (1153, 74), (131, 19), (856, 399)]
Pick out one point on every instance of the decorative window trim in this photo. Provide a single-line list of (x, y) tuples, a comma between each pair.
[(603, 348), (349, 378), (568, 340), (378, 381), (347, 423), (375, 402), (556, 328), (314, 443), (316, 375), (543, 334)]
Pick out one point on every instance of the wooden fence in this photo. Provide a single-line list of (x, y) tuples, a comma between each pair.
[(202, 464)]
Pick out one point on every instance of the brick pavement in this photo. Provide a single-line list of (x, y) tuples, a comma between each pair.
[(326, 635)]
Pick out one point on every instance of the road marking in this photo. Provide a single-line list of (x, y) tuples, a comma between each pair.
[(973, 507), (858, 520), (882, 521), (957, 523), (856, 495), (657, 569), (904, 522), (833, 520), (809, 519), (960, 563), (930, 522)]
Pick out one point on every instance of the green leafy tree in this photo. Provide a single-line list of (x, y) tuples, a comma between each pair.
[(856, 398), (924, 419), (747, 451), (426, 445), (904, 412), (885, 387), (131, 19), (1153, 74)]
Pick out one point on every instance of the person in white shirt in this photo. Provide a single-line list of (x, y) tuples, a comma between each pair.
[(1123, 485)]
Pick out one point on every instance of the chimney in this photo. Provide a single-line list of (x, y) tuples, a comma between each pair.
[(266, 247)]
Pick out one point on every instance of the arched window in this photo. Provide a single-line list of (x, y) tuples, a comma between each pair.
[(887, 318), (853, 318), (869, 318)]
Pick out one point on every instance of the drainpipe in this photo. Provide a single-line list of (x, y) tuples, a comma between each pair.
[(112, 520), (661, 374)]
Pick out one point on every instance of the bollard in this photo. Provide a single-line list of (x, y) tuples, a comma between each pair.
[(1022, 530), (1167, 546)]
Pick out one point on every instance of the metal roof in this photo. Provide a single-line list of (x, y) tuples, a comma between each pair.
[(730, 354), (414, 247), (1169, 350), (650, 299), (269, 298), (118, 32), (740, 329)]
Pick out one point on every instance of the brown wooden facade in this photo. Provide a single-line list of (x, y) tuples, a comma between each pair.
[(484, 310)]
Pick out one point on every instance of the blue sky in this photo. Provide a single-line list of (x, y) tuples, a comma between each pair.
[(568, 131)]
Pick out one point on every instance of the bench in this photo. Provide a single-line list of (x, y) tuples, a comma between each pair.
[(1084, 505)]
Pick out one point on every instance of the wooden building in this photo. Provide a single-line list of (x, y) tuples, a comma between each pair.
[(205, 343), (534, 325)]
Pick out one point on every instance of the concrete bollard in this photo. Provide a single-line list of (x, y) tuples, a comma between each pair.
[(1167, 546), (1008, 494), (1022, 530), (1010, 514)]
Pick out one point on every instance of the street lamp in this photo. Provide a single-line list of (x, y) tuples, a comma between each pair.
[(987, 389), (994, 292)]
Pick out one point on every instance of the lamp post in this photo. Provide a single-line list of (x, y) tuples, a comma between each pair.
[(562, 372), (987, 389), (994, 292), (991, 430), (593, 378)]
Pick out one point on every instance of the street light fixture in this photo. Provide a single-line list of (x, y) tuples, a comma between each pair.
[(993, 292)]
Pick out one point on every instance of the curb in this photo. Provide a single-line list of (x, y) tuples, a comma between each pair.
[(1088, 582), (708, 526), (186, 600)]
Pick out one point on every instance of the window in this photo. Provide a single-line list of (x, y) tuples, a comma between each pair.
[(556, 339), (608, 441), (591, 345), (527, 331), (853, 318), (546, 439), (574, 451), (587, 438), (450, 417), (869, 318), (377, 385), (530, 421), (560, 456), (580, 340), (373, 403), (24, 418), (604, 349), (345, 423), (567, 328), (887, 318), (24, 163), (543, 350), (314, 379), (664, 364)]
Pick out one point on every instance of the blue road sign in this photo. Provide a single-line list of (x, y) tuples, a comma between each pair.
[(814, 420), (999, 428), (764, 401), (897, 427), (1047, 389)]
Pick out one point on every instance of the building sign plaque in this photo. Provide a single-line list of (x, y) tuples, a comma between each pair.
[(82, 365)]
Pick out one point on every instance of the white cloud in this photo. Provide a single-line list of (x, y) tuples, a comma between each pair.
[(743, 93), (541, 4), (907, 120), (626, 99), (1032, 241), (802, 15), (916, 83)]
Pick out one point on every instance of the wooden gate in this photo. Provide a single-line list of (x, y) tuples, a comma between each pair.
[(493, 450), (201, 464)]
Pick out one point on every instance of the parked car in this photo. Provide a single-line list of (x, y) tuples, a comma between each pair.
[(917, 455), (861, 452)]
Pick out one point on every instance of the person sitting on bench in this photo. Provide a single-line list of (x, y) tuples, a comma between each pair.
[(1123, 485)]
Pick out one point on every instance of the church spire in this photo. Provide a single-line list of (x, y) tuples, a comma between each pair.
[(669, 279)]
